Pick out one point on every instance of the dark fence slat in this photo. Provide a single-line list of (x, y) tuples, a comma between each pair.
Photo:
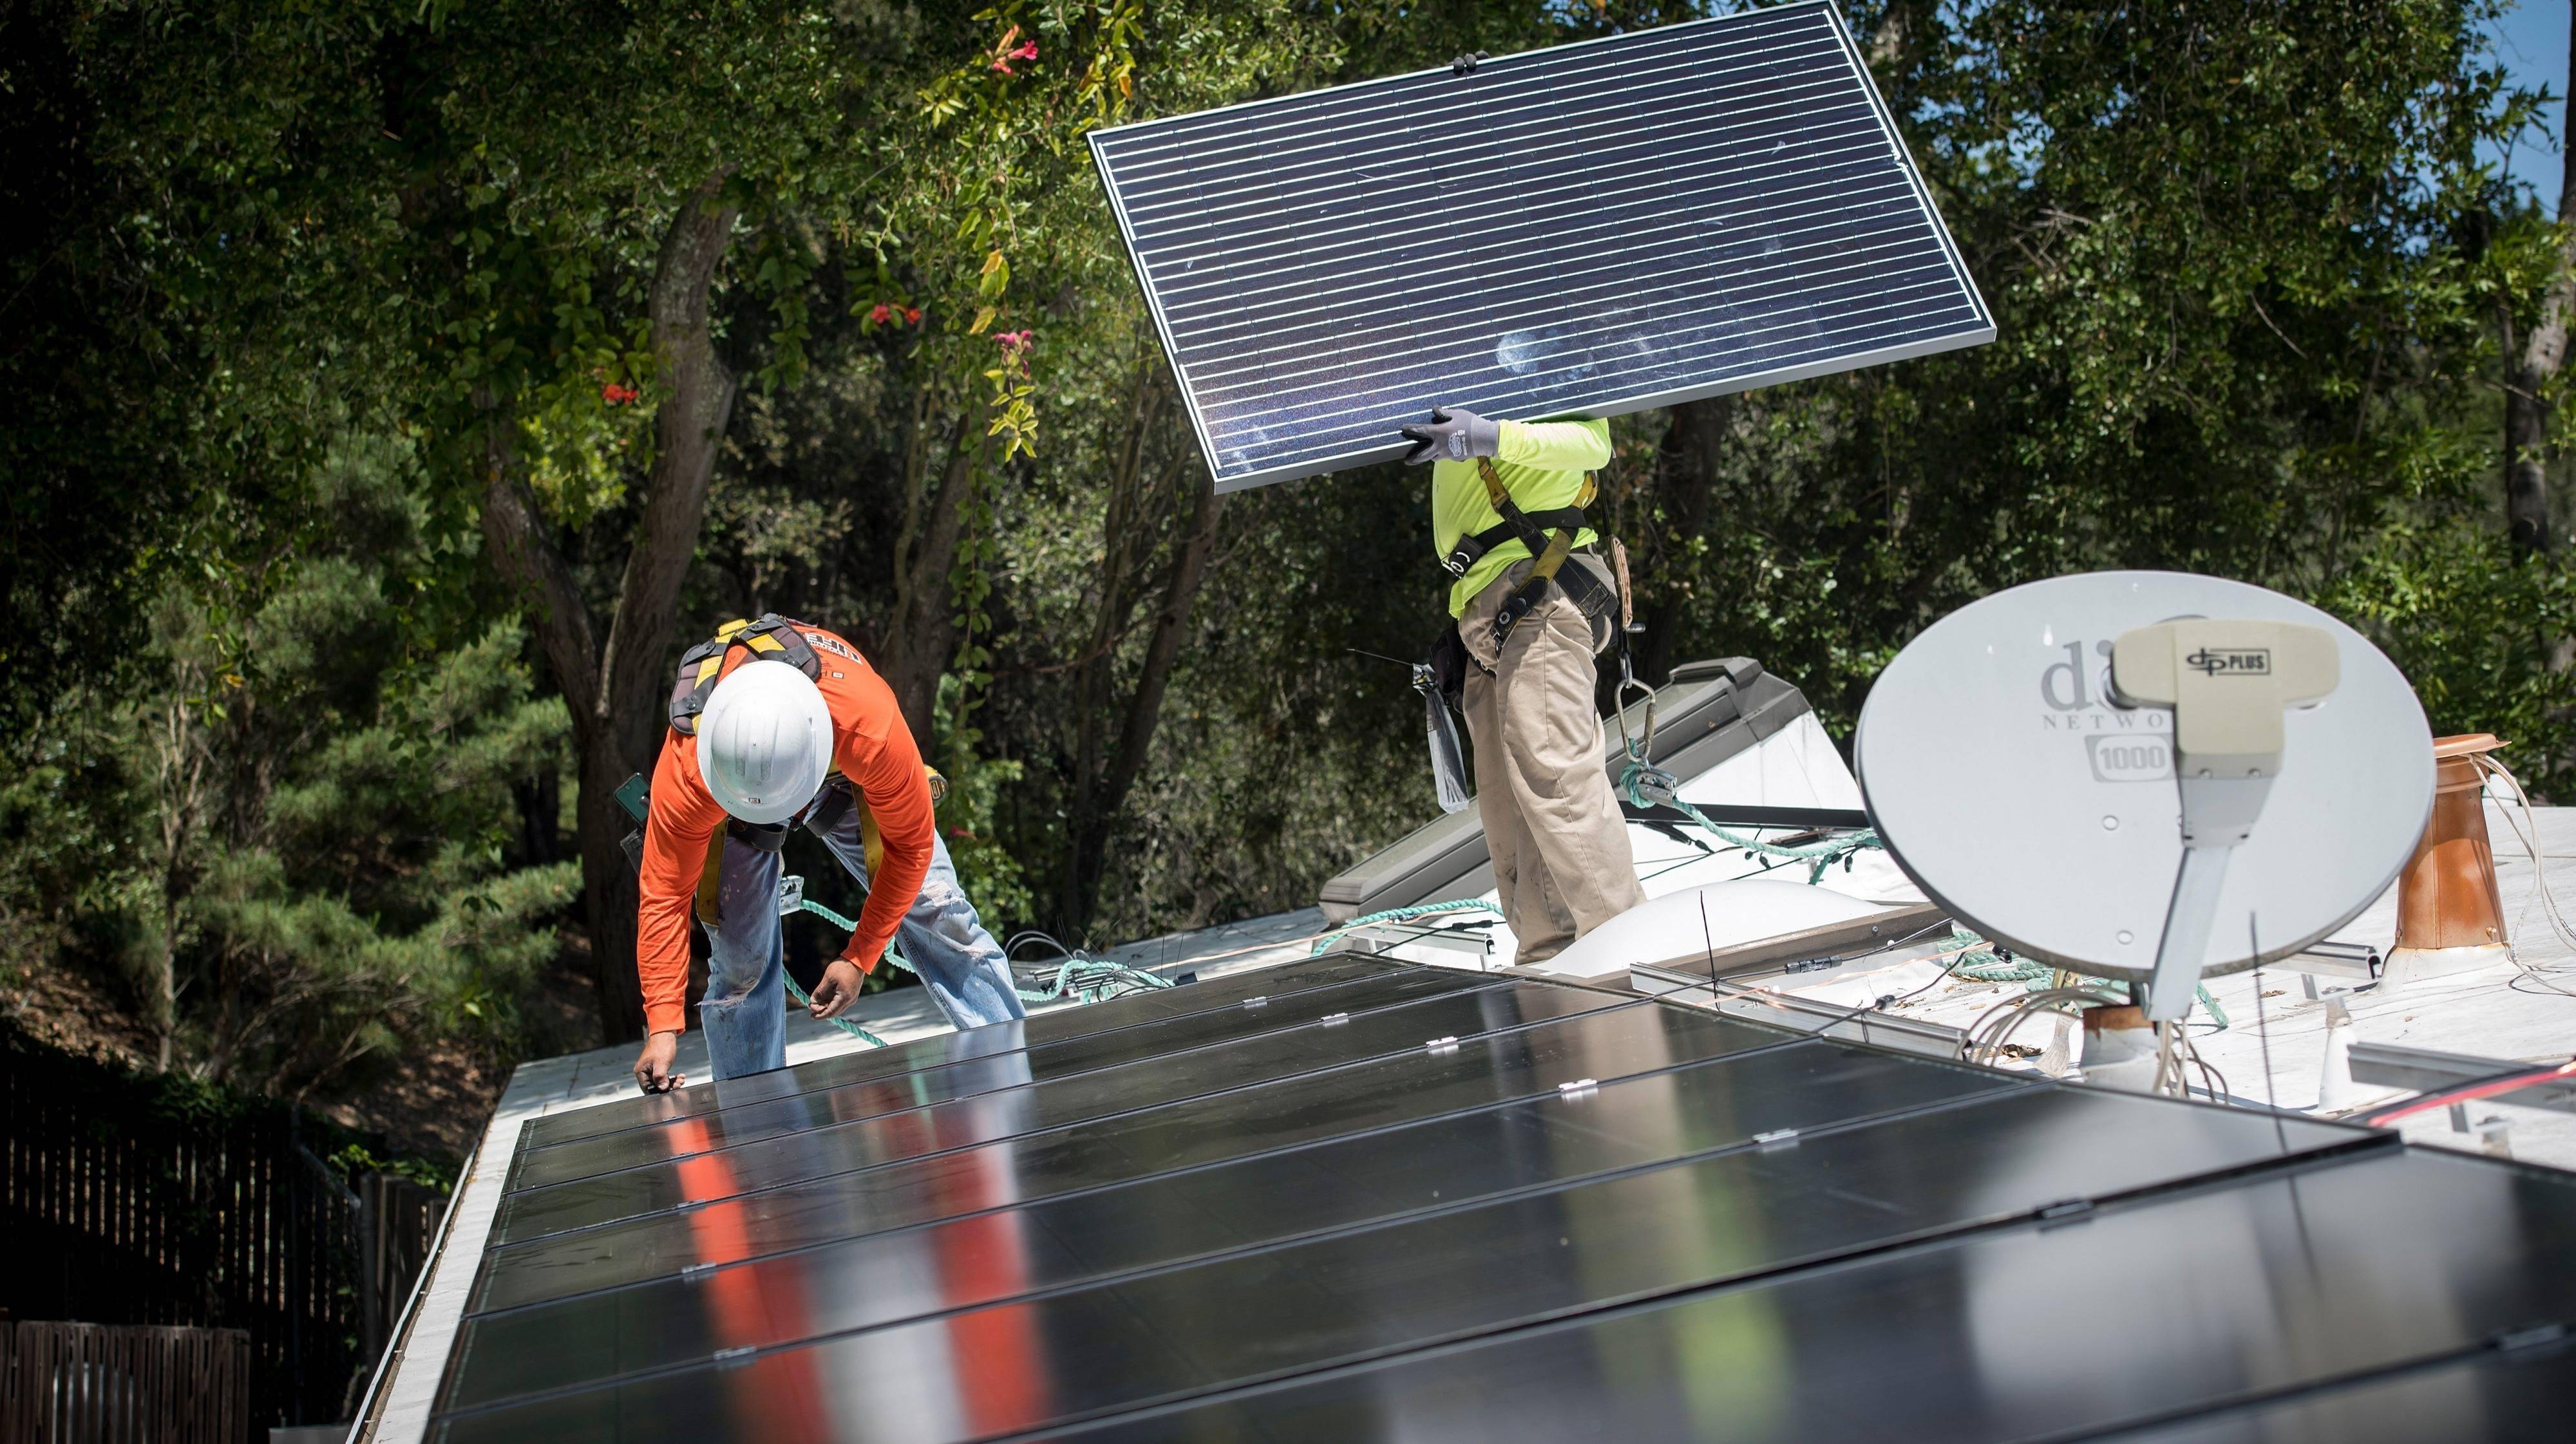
[(72, 1383), (130, 1203)]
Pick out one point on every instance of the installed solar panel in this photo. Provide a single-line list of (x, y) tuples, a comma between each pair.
[(1569, 1214), (1589, 230)]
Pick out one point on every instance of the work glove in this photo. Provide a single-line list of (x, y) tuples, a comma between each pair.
[(1453, 435)]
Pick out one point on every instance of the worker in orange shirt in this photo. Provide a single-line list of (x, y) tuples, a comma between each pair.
[(776, 722)]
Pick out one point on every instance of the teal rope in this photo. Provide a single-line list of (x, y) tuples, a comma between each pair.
[(844, 1024), (1982, 966), (1648, 786), (1090, 980), (1392, 915)]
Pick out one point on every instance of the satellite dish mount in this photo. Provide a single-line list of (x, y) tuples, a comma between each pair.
[(2227, 684)]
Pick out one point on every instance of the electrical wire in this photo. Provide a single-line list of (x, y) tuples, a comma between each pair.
[(1995, 1026), (2534, 973), (1880, 1003), (2488, 1087)]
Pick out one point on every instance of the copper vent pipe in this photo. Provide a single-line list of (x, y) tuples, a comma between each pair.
[(2447, 897)]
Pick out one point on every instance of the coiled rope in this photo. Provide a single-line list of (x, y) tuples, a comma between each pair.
[(1646, 785), (1088, 979), (1985, 964), (1397, 915)]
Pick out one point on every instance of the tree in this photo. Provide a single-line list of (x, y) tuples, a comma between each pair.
[(2533, 373)]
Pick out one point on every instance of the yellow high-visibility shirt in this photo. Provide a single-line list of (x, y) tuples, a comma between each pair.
[(1542, 465)]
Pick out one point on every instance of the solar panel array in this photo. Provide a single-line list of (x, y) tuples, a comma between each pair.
[(1585, 230), (1349, 1201)]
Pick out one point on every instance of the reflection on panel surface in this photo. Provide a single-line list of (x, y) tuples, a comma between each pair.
[(871, 1138), (1158, 1221), (750, 1121), (1573, 231), (1479, 1072), (2526, 1396), (1968, 1339), (1748, 1211), (1585, 1217), (1054, 1026)]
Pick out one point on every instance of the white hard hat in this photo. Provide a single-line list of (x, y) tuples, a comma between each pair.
[(765, 741)]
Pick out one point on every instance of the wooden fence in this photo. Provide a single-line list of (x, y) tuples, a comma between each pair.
[(103, 1384), (130, 1199)]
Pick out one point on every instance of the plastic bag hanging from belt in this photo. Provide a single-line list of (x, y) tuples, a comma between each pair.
[(1448, 760)]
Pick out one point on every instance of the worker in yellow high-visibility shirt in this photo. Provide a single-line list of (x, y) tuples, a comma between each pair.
[(1534, 604)]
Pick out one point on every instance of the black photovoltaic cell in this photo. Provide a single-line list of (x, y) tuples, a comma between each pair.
[(983, 1073), (1100, 1020), (874, 1139), (1586, 230), (1856, 1186), (1480, 1073), (1590, 1218)]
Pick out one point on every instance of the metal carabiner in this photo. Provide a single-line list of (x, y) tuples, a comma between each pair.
[(1637, 747)]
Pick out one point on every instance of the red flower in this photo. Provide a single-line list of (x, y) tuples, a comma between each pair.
[(880, 313), (1003, 65), (1028, 51), (912, 315), (616, 395), (1012, 341)]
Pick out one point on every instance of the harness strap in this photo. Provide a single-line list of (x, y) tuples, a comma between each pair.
[(1471, 549), (702, 666), (1549, 547)]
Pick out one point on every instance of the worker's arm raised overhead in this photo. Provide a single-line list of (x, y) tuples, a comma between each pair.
[(1555, 445)]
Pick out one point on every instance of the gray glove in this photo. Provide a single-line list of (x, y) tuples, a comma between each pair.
[(1453, 435)]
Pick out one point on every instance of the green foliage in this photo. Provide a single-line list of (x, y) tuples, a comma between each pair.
[(991, 872), (2245, 262), (312, 790), (292, 277)]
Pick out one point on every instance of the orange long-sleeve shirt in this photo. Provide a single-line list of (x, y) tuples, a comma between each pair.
[(870, 745)]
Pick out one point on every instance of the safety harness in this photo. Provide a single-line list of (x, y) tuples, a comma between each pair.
[(701, 667), (1549, 538)]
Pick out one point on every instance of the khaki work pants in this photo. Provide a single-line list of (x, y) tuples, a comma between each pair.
[(1552, 824)]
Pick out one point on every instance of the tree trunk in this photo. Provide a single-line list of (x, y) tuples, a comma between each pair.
[(1145, 704), (924, 627), (1123, 542), (1685, 477), (617, 693), (182, 768), (2530, 370)]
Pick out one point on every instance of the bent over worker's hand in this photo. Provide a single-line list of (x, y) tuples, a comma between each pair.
[(1453, 435), (653, 1066), (838, 990)]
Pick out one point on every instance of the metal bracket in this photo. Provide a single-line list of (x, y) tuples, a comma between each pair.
[(2227, 684)]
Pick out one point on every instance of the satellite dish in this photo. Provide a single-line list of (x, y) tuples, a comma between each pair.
[(2031, 796)]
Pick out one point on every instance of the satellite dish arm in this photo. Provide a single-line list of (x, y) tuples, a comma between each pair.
[(2227, 684)]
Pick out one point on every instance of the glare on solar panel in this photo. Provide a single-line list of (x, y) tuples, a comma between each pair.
[(1591, 229)]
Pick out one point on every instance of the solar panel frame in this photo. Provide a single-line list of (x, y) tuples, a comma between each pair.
[(1443, 1236), (1119, 151)]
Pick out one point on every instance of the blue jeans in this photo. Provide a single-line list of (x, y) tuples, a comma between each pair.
[(744, 1012)]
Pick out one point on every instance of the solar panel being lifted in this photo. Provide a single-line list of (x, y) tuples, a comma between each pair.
[(1589, 230)]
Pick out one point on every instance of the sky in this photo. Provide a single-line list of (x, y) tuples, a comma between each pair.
[(2531, 41)]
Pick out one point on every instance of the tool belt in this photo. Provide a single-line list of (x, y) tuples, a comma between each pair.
[(1548, 536)]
